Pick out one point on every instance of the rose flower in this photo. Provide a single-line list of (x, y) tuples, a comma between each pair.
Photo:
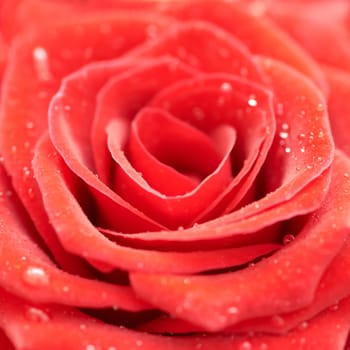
[(174, 175)]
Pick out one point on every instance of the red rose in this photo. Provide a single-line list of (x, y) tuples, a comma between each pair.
[(169, 178)]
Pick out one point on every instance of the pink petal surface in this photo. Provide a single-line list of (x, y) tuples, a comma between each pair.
[(77, 331), (338, 106), (26, 270), (93, 245), (28, 86), (257, 33), (288, 280), (316, 26)]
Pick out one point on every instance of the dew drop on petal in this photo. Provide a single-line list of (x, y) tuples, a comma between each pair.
[(139, 343), (198, 113), (246, 345), (320, 107), (252, 102), (232, 310), (36, 276), (65, 289), (278, 321), (29, 125), (303, 325), (90, 347), (288, 238), (283, 135), (41, 63), (334, 307), (279, 109), (226, 86), (287, 150), (36, 315)]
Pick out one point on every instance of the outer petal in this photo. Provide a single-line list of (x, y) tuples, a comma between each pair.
[(29, 331), (27, 270), (338, 106), (286, 281)]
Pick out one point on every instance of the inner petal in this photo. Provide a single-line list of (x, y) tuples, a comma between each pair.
[(172, 211), (173, 156)]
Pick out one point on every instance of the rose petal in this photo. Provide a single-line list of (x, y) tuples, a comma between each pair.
[(205, 47), (257, 33), (287, 280), (171, 211), (93, 245), (325, 25), (37, 62), (172, 156), (338, 106), (77, 330), (27, 271)]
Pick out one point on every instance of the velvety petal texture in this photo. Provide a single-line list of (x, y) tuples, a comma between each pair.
[(174, 175)]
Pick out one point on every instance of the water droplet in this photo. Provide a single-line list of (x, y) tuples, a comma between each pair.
[(301, 137), (334, 307), (140, 265), (41, 63), (303, 325), (90, 347), (246, 345), (232, 310), (65, 289), (36, 276), (279, 109), (288, 238), (26, 172), (30, 193), (226, 86), (284, 135), (82, 327), (198, 113), (36, 315), (302, 149), (29, 125), (287, 150), (252, 102), (67, 107), (263, 346), (277, 321), (139, 342), (320, 107)]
